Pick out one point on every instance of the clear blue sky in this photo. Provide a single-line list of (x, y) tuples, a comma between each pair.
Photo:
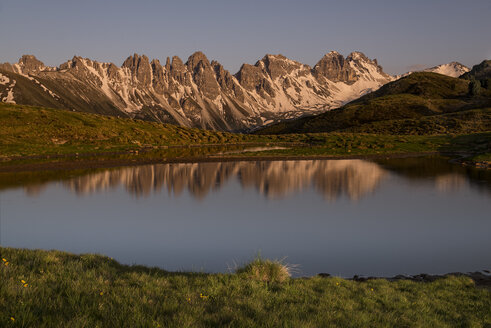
[(400, 34)]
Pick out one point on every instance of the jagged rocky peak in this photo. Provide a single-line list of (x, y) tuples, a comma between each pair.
[(30, 64), (226, 80), (201, 93), (223, 76), (332, 66), (203, 75), (177, 64), (159, 75), (167, 64), (249, 76), (335, 67), (76, 62), (27, 64), (155, 62), (196, 59), (157, 68), (278, 65), (367, 65), (178, 70), (356, 55), (140, 68)]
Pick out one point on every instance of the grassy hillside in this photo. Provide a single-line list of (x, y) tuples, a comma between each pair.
[(30, 130), (36, 131), (421, 103), (56, 289)]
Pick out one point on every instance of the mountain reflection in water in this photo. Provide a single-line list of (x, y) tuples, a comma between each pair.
[(331, 178), (273, 179)]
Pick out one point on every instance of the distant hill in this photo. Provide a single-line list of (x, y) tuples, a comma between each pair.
[(420, 103), (481, 71)]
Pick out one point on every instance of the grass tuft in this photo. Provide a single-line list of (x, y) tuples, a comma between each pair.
[(265, 270)]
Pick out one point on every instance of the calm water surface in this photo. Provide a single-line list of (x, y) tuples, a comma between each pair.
[(344, 217)]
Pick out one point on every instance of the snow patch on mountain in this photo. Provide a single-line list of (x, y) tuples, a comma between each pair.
[(4, 80), (453, 69), (9, 99)]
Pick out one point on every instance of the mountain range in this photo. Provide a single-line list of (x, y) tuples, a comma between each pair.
[(198, 93)]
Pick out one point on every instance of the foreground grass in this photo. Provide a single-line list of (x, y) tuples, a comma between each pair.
[(56, 289)]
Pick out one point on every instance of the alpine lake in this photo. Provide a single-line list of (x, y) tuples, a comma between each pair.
[(343, 217)]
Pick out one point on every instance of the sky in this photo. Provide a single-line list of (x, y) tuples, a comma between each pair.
[(401, 35)]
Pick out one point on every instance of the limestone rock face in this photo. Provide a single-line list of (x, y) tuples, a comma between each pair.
[(159, 76), (227, 82), (177, 69), (332, 66), (112, 71), (26, 64), (140, 68), (250, 76), (278, 65), (203, 75), (198, 93), (30, 64)]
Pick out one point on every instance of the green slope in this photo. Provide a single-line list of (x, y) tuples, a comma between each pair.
[(27, 130), (41, 134), (421, 103)]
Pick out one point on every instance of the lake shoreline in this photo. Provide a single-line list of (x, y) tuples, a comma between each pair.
[(95, 161), (481, 278)]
